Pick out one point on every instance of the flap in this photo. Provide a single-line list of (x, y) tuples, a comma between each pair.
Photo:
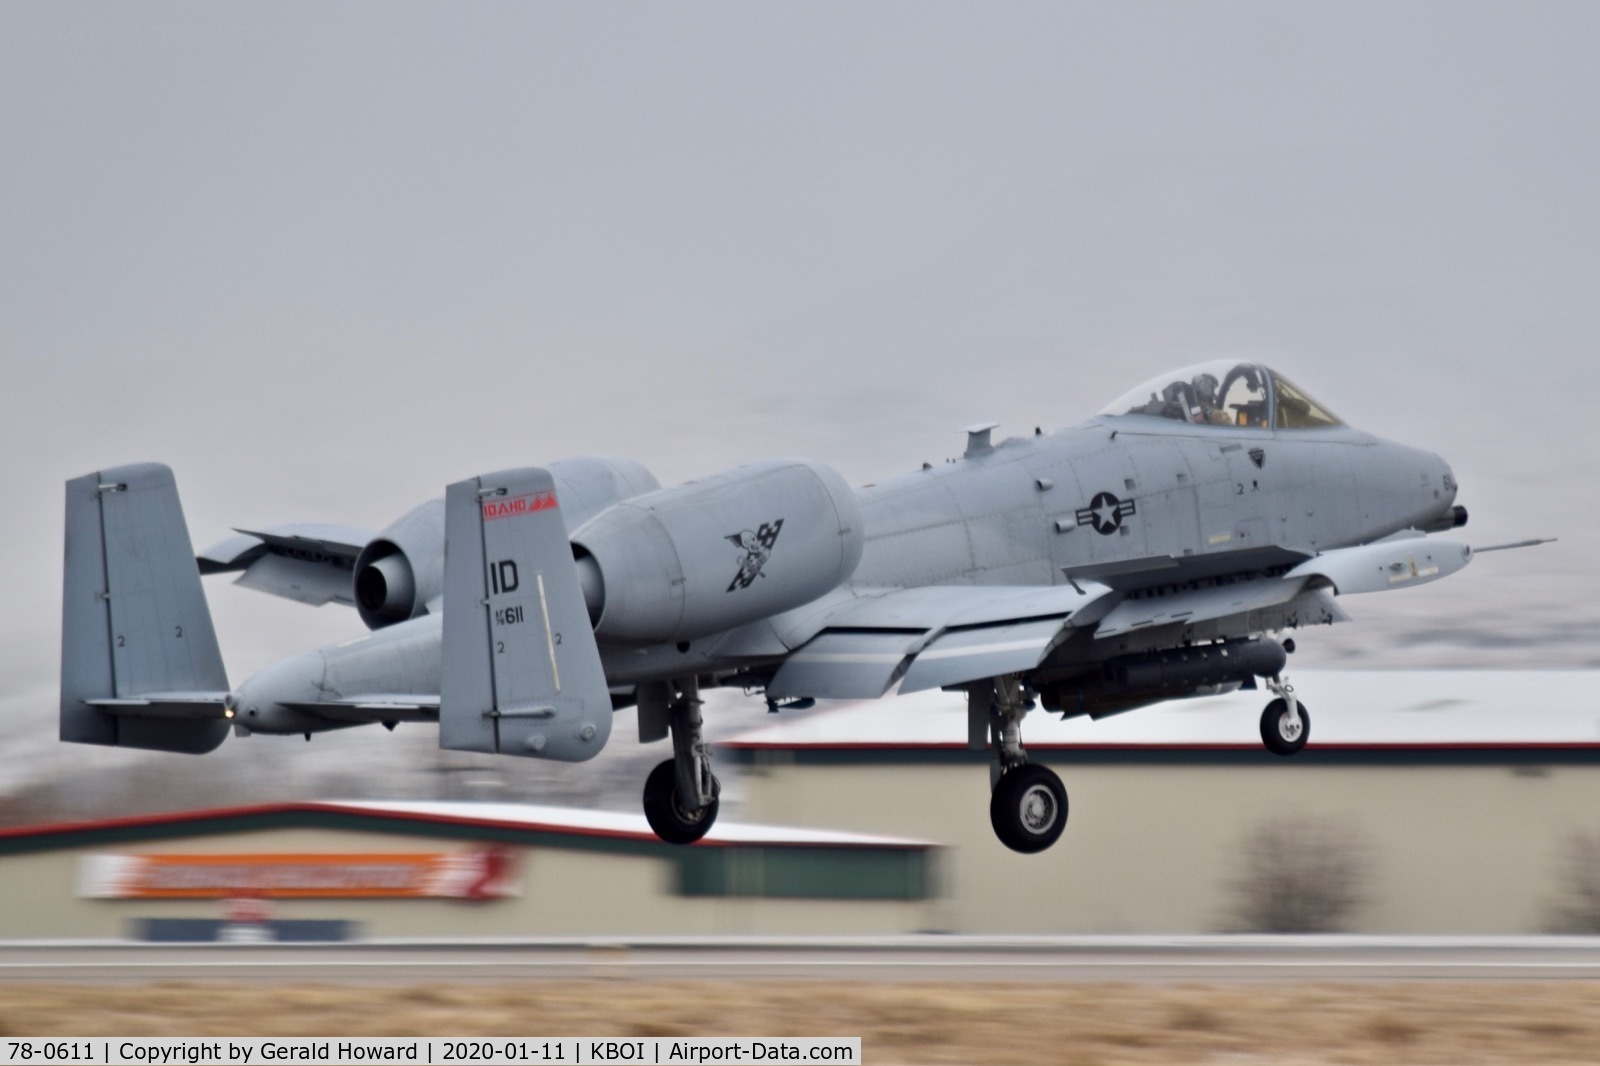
[(866, 636), (844, 666), (988, 651)]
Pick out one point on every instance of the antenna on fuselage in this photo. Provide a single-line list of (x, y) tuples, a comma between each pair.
[(978, 440)]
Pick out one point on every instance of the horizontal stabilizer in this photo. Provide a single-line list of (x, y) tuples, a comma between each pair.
[(140, 667), (521, 673), (166, 705), (361, 710)]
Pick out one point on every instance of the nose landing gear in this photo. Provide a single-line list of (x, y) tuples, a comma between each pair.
[(1285, 723)]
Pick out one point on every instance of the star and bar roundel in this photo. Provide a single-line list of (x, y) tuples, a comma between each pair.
[(1105, 513)]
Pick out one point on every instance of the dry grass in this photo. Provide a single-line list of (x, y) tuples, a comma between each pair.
[(1075, 1024)]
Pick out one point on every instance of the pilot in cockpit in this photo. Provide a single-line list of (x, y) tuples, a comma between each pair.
[(1244, 391), (1246, 397), (1210, 406)]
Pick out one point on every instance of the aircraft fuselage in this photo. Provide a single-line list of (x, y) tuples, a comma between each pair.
[(1099, 501)]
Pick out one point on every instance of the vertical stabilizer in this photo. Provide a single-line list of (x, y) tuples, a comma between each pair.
[(140, 667), (521, 672)]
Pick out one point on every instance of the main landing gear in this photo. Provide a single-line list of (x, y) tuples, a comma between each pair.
[(681, 794), (1285, 724), (1028, 803)]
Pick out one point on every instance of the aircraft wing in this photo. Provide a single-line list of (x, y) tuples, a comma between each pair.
[(930, 637), (312, 562)]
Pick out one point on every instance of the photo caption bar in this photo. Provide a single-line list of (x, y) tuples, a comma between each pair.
[(468, 1051)]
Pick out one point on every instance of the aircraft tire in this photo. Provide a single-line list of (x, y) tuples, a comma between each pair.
[(1272, 729), (1028, 808), (669, 820)]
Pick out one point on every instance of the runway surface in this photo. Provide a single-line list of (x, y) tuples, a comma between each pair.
[(930, 958)]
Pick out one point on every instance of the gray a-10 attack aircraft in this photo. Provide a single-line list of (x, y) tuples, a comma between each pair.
[(1148, 554)]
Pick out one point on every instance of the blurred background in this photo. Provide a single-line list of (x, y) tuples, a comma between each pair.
[(322, 260)]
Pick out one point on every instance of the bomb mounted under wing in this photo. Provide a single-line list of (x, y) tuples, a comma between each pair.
[(1153, 552)]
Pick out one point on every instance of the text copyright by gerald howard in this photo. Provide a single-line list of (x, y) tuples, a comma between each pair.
[(497, 1051)]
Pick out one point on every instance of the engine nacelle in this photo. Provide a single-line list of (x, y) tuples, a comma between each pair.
[(401, 570), (716, 553)]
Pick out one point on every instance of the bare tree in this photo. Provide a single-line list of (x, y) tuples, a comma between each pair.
[(1578, 909), (1300, 875)]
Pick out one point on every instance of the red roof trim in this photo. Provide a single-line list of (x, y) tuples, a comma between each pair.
[(179, 818), (316, 807), (429, 818), (1127, 746), (145, 820)]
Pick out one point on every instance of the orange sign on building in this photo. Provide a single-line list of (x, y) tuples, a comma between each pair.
[(485, 874)]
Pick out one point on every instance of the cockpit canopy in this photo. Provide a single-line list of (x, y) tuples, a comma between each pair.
[(1243, 395)]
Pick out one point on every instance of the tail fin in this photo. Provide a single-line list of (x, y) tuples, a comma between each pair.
[(140, 667), (521, 672)]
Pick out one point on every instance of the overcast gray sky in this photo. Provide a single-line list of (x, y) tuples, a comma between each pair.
[(323, 258)]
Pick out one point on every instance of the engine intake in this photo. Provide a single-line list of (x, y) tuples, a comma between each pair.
[(387, 586), (402, 569)]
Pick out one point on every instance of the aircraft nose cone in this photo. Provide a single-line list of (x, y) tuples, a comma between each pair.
[(1447, 479), (1448, 516)]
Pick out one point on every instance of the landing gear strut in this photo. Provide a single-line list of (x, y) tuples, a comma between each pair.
[(1028, 804), (1285, 724), (681, 794)]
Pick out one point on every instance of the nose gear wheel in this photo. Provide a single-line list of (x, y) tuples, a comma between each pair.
[(1284, 731)]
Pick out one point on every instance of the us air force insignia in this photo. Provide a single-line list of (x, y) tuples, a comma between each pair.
[(1105, 513), (757, 548)]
